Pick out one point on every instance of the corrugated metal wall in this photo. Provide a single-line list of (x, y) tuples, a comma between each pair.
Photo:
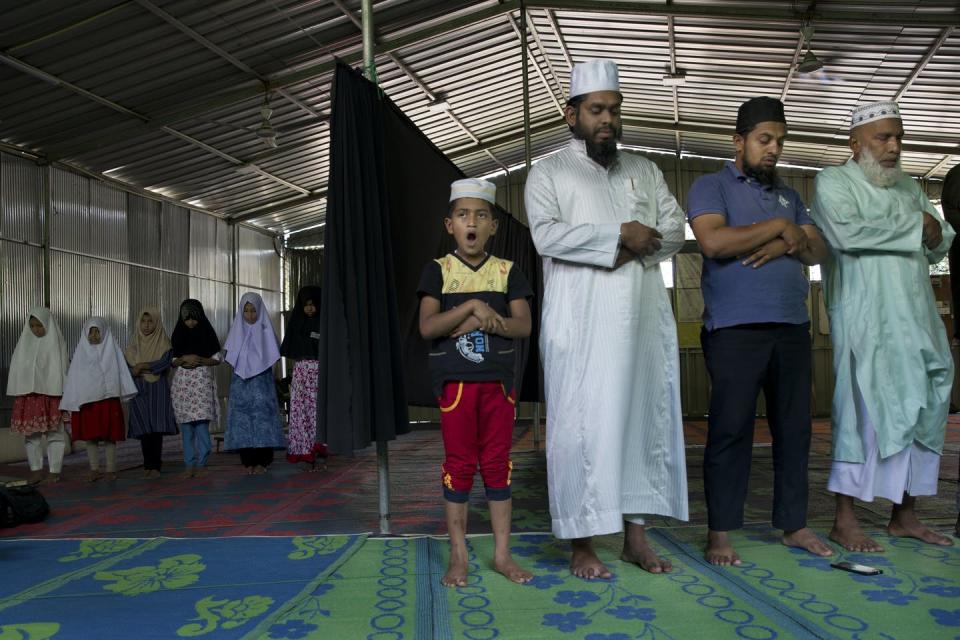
[(111, 254)]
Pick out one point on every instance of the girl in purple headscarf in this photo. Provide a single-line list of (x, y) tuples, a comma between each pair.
[(253, 413)]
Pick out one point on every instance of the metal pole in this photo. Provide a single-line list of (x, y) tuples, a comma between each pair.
[(536, 425), (383, 458), (527, 157), (526, 85), (47, 200)]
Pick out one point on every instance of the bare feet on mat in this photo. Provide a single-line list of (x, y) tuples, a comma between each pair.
[(456, 575), (35, 477), (110, 476), (259, 470), (852, 538), (908, 526), (584, 562), (188, 473), (806, 539), (637, 550), (53, 478), (250, 470), (198, 471), (513, 572), (93, 476), (719, 551)]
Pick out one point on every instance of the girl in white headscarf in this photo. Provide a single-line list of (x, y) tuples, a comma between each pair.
[(97, 381), (37, 369), (253, 413)]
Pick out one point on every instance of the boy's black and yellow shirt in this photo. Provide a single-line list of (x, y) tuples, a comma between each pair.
[(476, 356)]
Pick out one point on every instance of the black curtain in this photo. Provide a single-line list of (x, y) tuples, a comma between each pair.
[(361, 396), (418, 186), (388, 193)]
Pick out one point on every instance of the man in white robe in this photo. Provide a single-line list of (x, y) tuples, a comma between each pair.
[(603, 220), (894, 371)]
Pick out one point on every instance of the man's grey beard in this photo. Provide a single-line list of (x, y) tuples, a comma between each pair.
[(876, 173)]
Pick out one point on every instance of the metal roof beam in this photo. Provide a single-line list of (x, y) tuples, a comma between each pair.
[(280, 207), (88, 142), (923, 63), (769, 11), (431, 96), (69, 86), (830, 138), (226, 55), (543, 52), (533, 59), (943, 161), (552, 18)]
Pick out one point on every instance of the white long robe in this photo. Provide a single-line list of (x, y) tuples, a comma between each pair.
[(609, 344)]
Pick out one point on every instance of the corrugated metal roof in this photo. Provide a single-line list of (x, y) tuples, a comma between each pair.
[(166, 95)]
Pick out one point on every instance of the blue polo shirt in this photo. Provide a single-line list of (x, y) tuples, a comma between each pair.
[(734, 294)]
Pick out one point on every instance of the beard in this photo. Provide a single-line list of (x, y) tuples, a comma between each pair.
[(876, 173), (603, 153), (766, 176)]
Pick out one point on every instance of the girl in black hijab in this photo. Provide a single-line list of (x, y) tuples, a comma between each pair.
[(301, 344), (196, 350)]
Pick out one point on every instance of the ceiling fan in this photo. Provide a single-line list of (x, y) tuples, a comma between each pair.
[(264, 131)]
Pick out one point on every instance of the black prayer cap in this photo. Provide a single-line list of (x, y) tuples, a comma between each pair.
[(757, 110)]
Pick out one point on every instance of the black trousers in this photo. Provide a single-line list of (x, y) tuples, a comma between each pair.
[(258, 457), (742, 361), (151, 445)]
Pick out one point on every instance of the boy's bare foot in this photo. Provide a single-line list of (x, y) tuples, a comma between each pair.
[(719, 551), (456, 575), (187, 473), (53, 478), (199, 471), (110, 476), (35, 477), (250, 470), (806, 539), (907, 525), (584, 562), (93, 476), (514, 572), (852, 538)]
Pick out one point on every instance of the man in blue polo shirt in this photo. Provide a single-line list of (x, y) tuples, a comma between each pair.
[(755, 236)]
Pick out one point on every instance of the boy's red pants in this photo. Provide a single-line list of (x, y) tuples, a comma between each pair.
[(476, 420)]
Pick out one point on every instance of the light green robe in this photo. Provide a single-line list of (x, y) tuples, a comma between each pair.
[(883, 318)]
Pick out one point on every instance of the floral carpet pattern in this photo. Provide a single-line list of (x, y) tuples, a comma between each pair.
[(345, 587)]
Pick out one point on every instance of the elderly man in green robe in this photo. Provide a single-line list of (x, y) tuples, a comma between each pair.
[(891, 356)]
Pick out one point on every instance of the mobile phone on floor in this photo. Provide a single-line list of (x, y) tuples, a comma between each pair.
[(853, 567)]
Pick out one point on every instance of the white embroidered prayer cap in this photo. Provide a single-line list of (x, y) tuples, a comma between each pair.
[(473, 188), (871, 112), (594, 75)]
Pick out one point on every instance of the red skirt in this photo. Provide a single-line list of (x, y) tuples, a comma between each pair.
[(35, 413), (100, 420)]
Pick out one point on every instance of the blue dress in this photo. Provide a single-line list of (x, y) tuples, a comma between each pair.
[(151, 410), (253, 414)]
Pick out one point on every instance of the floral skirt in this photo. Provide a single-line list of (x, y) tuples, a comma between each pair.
[(302, 428), (36, 413)]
